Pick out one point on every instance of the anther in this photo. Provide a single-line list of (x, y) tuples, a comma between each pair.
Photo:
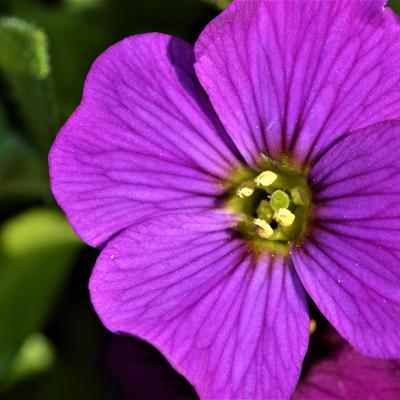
[(265, 179), (245, 190), (300, 196), (284, 217), (313, 326), (264, 211), (263, 228)]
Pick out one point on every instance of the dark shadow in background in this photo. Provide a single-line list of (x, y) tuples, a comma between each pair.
[(132, 369)]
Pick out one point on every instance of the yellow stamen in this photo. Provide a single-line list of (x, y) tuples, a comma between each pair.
[(244, 191), (284, 217), (313, 326), (263, 228), (265, 179), (264, 211), (300, 196)]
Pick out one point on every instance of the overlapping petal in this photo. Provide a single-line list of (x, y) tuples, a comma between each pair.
[(290, 77), (350, 261), (234, 324), (145, 139), (346, 374)]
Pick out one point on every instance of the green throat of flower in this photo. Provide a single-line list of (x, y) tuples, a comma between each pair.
[(274, 203)]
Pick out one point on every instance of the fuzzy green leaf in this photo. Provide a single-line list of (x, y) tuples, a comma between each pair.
[(25, 65)]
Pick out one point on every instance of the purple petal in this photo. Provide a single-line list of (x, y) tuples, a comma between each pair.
[(350, 262), (346, 374), (290, 77), (144, 140), (234, 325)]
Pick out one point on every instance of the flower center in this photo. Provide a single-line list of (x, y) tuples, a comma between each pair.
[(274, 203)]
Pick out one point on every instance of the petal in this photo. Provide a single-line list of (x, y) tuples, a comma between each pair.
[(290, 77), (145, 139), (234, 325), (346, 374), (350, 261)]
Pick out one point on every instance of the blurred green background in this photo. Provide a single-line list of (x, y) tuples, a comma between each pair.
[(50, 339)]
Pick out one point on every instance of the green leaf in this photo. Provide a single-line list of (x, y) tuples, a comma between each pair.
[(394, 4), (35, 356), (37, 250), (78, 31), (221, 4), (25, 65), (23, 175), (84, 3)]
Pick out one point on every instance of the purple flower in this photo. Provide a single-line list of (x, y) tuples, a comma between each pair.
[(215, 224), (343, 373)]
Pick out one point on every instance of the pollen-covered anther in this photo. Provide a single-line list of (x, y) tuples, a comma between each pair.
[(264, 211), (284, 217), (265, 179), (245, 190), (313, 326), (263, 228), (300, 196)]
